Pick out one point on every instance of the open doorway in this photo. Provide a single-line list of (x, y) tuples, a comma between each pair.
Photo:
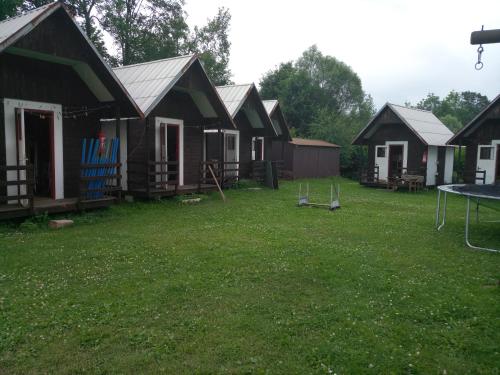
[(395, 160), (39, 150), (173, 150), (258, 149)]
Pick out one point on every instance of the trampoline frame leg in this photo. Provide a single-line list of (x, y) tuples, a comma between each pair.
[(438, 210), (467, 220)]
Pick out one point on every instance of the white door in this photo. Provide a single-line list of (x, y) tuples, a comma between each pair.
[(432, 165), (382, 161), (486, 162)]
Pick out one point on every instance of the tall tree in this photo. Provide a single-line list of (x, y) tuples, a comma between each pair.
[(145, 29), (166, 33), (323, 98), (123, 20), (8, 8), (296, 92), (457, 109), (212, 43)]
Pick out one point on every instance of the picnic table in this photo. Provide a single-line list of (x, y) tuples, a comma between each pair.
[(412, 181)]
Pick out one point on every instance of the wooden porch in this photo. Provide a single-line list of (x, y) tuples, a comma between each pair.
[(403, 178), (100, 186)]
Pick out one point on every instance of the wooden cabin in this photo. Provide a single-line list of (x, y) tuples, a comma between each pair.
[(282, 137), (482, 140), (166, 149), (406, 141), (250, 142), (310, 158), (54, 90)]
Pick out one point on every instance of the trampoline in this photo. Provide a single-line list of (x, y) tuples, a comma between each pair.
[(475, 192)]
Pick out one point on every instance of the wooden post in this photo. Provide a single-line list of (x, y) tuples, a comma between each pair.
[(146, 153), (459, 160), (221, 154), (203, 157), (216, 183), (118, 155)]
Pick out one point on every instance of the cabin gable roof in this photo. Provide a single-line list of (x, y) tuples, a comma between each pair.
[(423, 124), (492, 110), (149, 83), (245, 99), (274, 111), (16, 38)]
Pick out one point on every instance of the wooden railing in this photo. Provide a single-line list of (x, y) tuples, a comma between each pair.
[(154, 176), (100, 181), (258, 170), (24, 186), (368, 176), (280, 167), (226, 173), (472, 177)]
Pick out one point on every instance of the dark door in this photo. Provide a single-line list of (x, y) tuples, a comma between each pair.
[(497, 178), (173, 150), (258, 144), (395, 160), (39, 153)]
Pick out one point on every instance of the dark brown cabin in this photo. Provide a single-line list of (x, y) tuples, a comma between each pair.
[(482, 140), (282, 137), (54, 90), (310, 158), (404, 140), (251, 142), (166, 150)]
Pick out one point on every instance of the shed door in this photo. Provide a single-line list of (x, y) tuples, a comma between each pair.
[(381, 160), (486, 162)]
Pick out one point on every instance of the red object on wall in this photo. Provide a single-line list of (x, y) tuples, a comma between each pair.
[(102, 141), (424, 158)]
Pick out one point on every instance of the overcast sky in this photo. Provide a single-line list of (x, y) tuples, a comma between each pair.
[(401, 49)]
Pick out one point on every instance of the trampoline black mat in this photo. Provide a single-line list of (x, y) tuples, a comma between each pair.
[(480, 191)]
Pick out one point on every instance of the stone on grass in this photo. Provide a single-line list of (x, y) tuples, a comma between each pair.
[(57, 224)]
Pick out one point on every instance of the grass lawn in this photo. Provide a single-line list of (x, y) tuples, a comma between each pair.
[(256, 285)]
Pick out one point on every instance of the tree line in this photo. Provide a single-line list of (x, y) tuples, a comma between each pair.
[(323, 98), (146, 30)]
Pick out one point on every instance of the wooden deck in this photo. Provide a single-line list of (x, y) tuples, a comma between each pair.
[(171, 191), (42, 205)]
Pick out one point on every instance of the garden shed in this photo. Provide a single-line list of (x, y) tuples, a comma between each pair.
[(403, 140), (311, 158), (482, 140)]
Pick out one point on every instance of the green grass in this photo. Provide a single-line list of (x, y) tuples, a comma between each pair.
[(256, 285)]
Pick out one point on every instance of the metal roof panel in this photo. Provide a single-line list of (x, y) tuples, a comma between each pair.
[(149, 82), (233, 96), (425, 124)]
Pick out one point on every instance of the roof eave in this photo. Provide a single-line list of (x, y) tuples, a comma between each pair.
[(51, 8)]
